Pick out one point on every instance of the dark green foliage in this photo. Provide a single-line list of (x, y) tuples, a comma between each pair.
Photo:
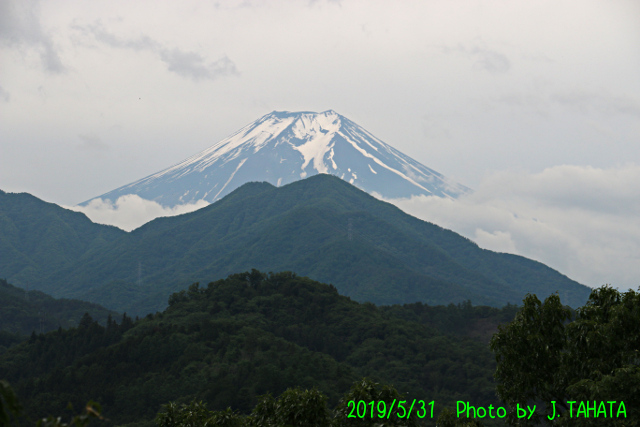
[(43, 363), (448, 418), (196, 414), (22, 313), (368, 391), (38, 238), (294, 407), (11, 412), (9, 406), (237, 339), (8, 339), (529, 352), (463, 319), (542, 357), (92, 411), (320, 227)]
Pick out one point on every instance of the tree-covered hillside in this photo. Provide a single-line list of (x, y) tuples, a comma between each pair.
[(577, 369), (250, 334), (22, 313), (567, 368), (38, 238), (321, 227)]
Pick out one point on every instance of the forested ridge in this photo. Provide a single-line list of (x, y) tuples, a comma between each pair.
[(23, 312), (250, 334), (38, 238), (320, 227)]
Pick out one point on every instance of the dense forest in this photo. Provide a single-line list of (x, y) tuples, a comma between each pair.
[(254, 333), (24, 312), (260, 349), (579, 368)]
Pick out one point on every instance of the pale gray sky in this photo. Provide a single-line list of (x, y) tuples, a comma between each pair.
[(535, 104)]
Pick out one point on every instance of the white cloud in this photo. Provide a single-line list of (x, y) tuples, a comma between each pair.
[(20, 25), (131, 211), (187, 64), (579, 220)]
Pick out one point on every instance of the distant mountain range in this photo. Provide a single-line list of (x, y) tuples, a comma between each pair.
[(283, 147), (321, 227)]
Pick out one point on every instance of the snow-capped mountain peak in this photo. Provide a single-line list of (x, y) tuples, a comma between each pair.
[(282, 147)]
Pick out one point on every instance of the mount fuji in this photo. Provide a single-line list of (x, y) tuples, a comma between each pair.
[(282, 147)]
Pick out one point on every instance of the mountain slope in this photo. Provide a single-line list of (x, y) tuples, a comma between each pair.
[(23, 312), (37, 238), (283, 147), (321, 227)]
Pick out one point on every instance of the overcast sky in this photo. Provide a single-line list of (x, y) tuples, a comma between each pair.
[(533, 104)]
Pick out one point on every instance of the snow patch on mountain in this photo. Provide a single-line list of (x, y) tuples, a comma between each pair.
[(282, 147)]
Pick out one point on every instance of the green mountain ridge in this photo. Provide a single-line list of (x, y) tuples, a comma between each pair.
[(23, 312), (321, 227), (37, 237)]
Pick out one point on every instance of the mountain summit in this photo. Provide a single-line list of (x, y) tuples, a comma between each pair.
[(282, 147)]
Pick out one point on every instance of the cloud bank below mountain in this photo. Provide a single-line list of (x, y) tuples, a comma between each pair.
[(579, 220), (132, 211)]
